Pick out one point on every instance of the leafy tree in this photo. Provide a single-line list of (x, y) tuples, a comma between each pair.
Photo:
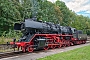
[(49, 12), (65, 11), (8, 15)]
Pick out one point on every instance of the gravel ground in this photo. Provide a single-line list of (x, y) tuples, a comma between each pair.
[(41, 54)]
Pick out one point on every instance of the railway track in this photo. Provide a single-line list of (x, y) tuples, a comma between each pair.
[(16, 53), (6, 55), (5, 48)]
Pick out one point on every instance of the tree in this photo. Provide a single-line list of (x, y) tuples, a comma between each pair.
[(49, 12), (8, 15), (65, 11)]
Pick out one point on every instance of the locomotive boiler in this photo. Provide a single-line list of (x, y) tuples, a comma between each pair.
[(45, 35)]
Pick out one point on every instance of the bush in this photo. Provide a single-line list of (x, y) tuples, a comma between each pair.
[(12, 34)]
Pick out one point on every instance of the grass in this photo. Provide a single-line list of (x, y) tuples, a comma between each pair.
[(77, 54), (4, 40)]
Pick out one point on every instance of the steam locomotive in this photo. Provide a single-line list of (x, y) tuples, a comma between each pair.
[(46, 35)]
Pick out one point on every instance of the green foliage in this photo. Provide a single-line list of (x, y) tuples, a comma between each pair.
[(77, 54), (88, 31), (65, 11), (12, 33), (49, 12), (8, 15)]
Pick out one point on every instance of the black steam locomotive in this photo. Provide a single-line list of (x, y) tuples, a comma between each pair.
[(45, 35)]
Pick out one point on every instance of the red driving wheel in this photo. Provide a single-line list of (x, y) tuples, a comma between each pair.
[(30, 49)]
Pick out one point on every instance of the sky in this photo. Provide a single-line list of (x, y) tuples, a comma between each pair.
[(80, 7)]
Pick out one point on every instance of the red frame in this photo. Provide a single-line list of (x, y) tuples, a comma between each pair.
[(53, 42)]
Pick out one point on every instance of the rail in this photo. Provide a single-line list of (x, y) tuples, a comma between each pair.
[(5, 48)]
